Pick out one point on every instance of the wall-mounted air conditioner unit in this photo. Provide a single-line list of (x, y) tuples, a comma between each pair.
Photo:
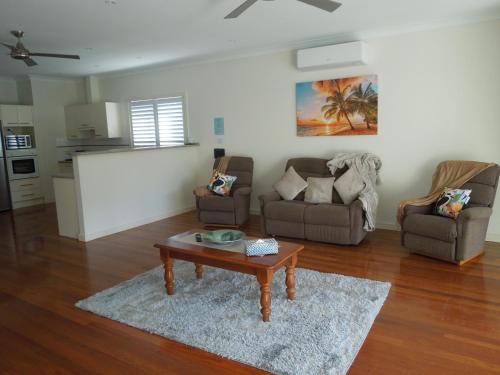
[(337, 55)]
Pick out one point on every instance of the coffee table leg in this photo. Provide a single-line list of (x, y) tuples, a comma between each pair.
[(290, 278), (168, 264), (199, 270), (265, 279)]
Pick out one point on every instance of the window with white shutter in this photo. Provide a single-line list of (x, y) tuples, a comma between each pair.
[(158, 122)]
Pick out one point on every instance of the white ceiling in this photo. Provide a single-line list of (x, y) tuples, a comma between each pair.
[(136, 33)]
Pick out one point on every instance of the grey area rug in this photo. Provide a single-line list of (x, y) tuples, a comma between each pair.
[(320, 332)]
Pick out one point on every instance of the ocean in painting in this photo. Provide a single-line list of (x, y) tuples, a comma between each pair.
[(344, 106)]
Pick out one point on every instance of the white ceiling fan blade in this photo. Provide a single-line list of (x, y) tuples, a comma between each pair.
[(327, 5), (235, 13)]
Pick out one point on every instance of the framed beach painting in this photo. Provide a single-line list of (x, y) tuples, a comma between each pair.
[(343, 106)]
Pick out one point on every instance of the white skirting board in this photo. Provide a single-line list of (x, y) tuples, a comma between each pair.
[(85, 237)]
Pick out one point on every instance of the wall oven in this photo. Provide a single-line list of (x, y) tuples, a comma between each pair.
[(22, 167), (15, 142)]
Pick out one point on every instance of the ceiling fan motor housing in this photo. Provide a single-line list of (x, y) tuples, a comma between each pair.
[(19, 54)]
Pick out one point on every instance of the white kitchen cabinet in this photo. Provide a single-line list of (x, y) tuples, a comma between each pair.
[(26, 192), (16, 115), (100, 120), (25, 115)]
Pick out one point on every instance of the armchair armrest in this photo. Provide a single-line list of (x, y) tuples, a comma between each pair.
[(243, 190), (425, 210), (472, 225), (474, 213)]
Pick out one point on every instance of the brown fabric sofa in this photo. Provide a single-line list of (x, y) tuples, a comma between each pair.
[(334, 223), (234, 209), (447, 239)]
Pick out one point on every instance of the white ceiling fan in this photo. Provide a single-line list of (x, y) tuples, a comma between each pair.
[(328, 5)]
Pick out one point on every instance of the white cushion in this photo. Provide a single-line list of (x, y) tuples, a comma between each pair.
[(319, 190), (349, 185), (290, 185)]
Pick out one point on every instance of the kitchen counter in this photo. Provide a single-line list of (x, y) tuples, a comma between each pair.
[(64, 175), (130, 149)]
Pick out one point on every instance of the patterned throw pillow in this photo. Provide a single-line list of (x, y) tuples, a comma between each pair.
[(451, 202), (221, 183)]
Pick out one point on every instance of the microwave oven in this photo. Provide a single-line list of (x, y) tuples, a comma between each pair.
[(15, 142), (22, 167)]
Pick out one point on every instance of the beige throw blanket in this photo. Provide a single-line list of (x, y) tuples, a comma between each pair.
[(202, 191), (449, 174), (367, 167)]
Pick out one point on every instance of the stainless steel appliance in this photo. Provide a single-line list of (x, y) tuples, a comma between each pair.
[(22, 167), (15, 142), (5, 203)]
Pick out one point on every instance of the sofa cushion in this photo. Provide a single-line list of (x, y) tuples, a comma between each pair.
[(319, 190), (290, 185), (432, 226), (216, 203), (349, 185), (292, 211), (451, 202), (336, 215), (221, 183)]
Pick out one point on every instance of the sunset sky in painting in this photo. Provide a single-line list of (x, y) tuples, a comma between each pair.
[(311, 96)]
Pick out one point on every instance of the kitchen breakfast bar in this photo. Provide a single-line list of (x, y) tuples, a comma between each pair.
[(143, 185)]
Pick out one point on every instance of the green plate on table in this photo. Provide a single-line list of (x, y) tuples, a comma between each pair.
[(223, 236)]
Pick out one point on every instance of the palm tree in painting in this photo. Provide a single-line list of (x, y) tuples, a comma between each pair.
[(339, 104), (365, 101)]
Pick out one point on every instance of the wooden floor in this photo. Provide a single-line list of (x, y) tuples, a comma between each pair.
[(438, 319)]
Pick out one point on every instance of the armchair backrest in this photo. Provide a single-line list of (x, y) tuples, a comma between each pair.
[(314, 167), (242, 168), (484, 187)]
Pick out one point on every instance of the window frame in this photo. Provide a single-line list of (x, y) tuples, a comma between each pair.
[(157, 128)]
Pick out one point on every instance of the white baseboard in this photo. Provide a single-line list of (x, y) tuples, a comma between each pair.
[(388, 226), (85, 237), (493, 237)]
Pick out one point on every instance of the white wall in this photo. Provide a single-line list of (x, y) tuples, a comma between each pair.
[(121, 190), (8, 91), (24, 91), (438, 100), (49, 98)]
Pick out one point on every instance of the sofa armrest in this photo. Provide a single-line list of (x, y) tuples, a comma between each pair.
[(357, 219), (269, 197), (474, 213)]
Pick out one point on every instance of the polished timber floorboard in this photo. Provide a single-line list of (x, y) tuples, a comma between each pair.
[(438, 318)]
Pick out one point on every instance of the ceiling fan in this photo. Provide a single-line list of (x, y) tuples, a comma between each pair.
[(20, 52), (328, 5)]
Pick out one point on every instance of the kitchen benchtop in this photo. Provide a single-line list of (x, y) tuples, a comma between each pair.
[(129, 149)]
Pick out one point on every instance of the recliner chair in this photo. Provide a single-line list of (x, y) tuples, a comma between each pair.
[(233, 210), (456, 241)]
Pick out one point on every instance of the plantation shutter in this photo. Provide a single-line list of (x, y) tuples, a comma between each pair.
[(170, 121), (142, 115), (158, 122)]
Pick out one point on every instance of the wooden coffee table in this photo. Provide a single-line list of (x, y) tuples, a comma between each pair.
[(262, 267)]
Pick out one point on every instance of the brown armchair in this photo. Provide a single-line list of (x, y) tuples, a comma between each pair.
[(456, 241), (234, 209)]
